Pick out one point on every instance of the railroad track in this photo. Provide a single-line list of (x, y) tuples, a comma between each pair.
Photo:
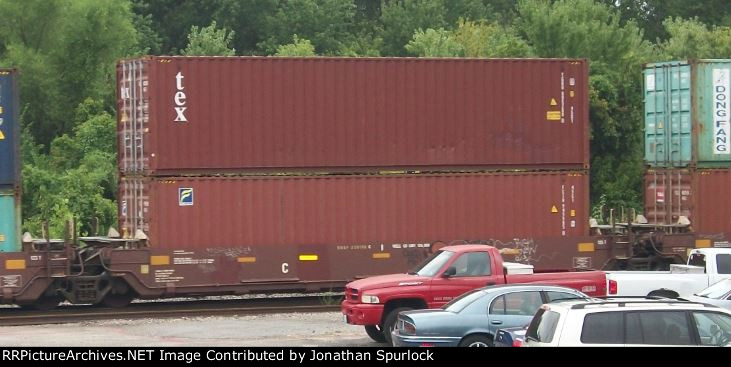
[(75, 313)]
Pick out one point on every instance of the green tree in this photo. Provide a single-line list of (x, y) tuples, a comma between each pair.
[(483, 39), (67, 52), (691, 39), (434, 43), (209, 41), (328, 24), (298, 47), (401, 19)]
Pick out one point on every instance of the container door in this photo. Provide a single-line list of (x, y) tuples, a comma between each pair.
[(9, 230), (668, 115), (714, 130), (668, 195)]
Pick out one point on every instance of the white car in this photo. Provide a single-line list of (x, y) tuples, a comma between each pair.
[(629, 322), (718, 294)]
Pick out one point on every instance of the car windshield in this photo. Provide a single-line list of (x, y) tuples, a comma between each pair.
[(717, 290), (432, 264), (458, 304)]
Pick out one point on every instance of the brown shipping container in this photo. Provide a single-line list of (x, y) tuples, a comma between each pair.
[(700, 195), (180, 115), (228, 212)]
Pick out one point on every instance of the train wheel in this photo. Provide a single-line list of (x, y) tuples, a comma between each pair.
[(118, 300)]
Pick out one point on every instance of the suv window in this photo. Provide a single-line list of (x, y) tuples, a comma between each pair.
[(724, 263), (543, 326), (473, 264), (603, 328), (658, 328), (711, 328)]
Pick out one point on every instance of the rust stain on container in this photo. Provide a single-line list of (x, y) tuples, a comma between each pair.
[(181, 115), (366, 210), (701, 195)]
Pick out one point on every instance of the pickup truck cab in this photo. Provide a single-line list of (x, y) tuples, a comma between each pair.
[(375, 302), (705, 267)]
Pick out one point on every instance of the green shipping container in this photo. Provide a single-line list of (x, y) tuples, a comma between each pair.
[(9, 222), (687, 114)]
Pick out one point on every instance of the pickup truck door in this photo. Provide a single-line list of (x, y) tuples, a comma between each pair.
[(472, 270)]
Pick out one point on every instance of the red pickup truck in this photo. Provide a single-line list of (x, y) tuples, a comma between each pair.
[(376, 301)]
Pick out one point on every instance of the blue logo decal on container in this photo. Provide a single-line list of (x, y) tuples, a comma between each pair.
[(185, 196)]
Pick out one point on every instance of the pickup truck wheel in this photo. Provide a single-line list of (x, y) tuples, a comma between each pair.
[(389, 323), (476, 341), (375, 333)]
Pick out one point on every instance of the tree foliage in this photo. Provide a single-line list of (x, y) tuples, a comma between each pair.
[(209, 41), (298, 47)]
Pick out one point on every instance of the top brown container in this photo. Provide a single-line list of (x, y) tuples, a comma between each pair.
[(203, 114)]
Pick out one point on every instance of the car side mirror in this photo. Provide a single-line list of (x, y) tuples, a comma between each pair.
[(450, 272)]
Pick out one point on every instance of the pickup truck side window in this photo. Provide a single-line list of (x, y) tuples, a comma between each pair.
[(697, 260), (724, 263), (603, 328), (711, 328), (473, 264)]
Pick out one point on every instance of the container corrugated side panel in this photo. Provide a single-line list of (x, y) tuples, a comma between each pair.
[(669, 194), (713, 199), (713, 91), (179, 213), (668, 114), (9, 221), (338, 114), (9, 130)]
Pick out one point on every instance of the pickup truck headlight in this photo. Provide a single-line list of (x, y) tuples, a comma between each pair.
[(367, 298)]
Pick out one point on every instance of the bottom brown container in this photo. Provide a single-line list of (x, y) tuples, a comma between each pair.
[(356, 210), (702, 196)]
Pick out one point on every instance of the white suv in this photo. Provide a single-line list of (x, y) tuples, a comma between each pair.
[(629, 322)]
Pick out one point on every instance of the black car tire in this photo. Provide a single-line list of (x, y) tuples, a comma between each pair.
[(389, 323), (375, 333), (476, 341)]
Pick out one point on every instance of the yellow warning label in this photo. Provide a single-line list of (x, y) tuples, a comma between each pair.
[(246, 259), (553, 115), (145, 269), (382, 255), (586, 247), (2, 238), (159, 260), (554, 209), (1, 110), (553, 102), (702, 243), (571, 93), (309, 257), (2, 136), (573, 212), (14, 264)]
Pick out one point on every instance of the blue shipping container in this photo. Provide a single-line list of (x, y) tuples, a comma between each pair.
[(9, 222), (9, 130), (687, 112)]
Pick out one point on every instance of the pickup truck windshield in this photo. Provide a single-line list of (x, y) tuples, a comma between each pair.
[(432, 264)]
